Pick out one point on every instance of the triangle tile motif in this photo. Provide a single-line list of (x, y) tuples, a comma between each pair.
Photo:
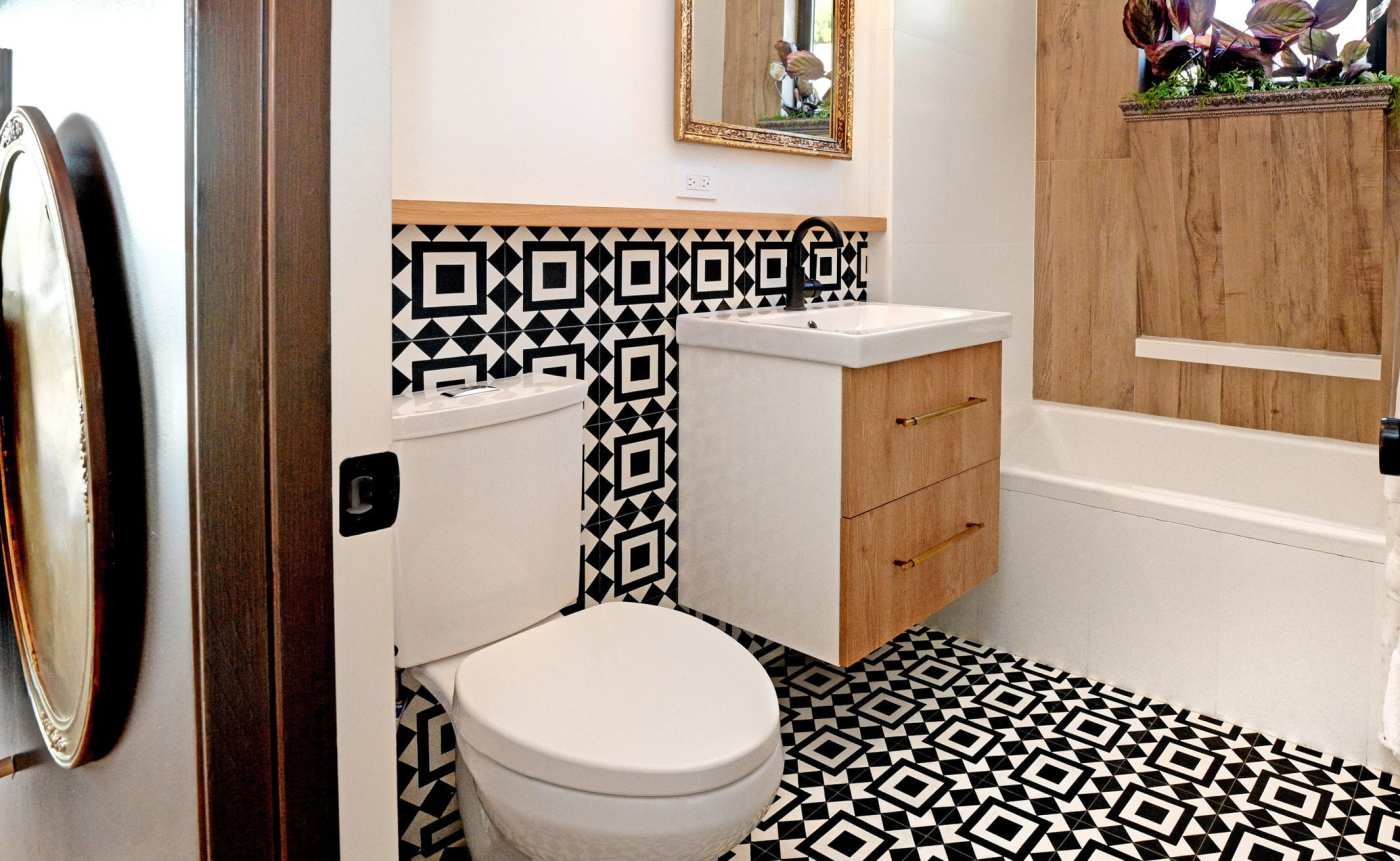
[(881, 764)]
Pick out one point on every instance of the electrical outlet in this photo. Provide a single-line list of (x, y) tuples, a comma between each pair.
[(698, 183)]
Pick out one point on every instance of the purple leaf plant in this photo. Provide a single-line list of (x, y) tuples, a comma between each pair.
[(1280, 41)]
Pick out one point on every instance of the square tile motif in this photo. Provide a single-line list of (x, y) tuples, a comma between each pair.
[(1053, 774), (911, 787), (886, 708), (830, 750), (879, 766), (1092, 729), (631, 557), (771, 268), (1183, 760), (846, 838), (635, 370), (449, 279), (1007, 699), (1383, 831), (634, 466), (936, 673), (963, 739), (712, 271), (1152, 813), (819, 680), (1004, 830), (562, 352), (447, 282), (639, 368), (639, 273), (1249, 844), (824, 264), (554, 276), (431, 365)]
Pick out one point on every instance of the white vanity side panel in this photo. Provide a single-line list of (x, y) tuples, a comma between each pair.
[(760, 485)]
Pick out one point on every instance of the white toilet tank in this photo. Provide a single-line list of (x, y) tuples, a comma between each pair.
[(487, 539)]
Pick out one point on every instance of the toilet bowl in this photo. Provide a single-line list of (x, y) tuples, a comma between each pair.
[(622, 731)]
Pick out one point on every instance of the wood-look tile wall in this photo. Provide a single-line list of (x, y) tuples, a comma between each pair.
[(1265, 230), (749, 94)]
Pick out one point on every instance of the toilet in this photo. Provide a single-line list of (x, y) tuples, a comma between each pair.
[(623, 731)]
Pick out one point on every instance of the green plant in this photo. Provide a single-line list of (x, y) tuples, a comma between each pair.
[(1180, 85), (805, 69), (1194, 53)]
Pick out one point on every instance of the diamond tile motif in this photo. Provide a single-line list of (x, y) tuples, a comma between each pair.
[(934, 747), (846, 838), (830, 750), (883, 765), (1004, 830), (634, 466), (911, 787), (1053, 774), (471, 304), (937, 674)]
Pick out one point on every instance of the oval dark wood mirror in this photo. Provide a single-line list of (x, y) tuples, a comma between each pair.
[(52, 437)]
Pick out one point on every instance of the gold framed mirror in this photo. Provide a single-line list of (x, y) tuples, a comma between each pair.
[(772, 75), (53, 480)]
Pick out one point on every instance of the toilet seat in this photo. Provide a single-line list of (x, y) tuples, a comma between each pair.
[(620, 699)]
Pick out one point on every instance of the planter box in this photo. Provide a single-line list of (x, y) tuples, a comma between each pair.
[(1358, 97), (799, 126)]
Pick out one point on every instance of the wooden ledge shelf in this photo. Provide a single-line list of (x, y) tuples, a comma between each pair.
[(1355, 97), (533, 215), (1290, 360)]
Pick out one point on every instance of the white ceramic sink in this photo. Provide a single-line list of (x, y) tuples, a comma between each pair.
[(850, 334)]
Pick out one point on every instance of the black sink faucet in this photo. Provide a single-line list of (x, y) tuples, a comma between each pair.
[(797, 281)]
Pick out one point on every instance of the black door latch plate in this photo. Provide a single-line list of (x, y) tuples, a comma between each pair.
[(369, 493), (1390, 446)]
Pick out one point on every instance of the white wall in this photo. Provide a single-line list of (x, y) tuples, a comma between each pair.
[(110, 78), (364, 590), (962, 209), (555, 101)]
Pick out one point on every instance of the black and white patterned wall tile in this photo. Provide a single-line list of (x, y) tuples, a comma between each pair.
[(464, 296), (937, 747), (429, 824), (600, 305)]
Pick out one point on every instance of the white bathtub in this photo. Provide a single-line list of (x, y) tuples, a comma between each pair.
[(1232, 572)]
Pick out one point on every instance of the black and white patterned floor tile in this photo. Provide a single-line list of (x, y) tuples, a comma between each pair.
[(940, 748)]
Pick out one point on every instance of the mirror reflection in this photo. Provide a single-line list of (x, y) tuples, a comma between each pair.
[(766, 64)]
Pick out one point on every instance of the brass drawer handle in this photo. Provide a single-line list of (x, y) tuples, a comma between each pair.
[(910, 564), (915, 421)]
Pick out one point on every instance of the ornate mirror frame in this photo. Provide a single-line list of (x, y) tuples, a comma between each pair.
[(839, 145), (56, 599)]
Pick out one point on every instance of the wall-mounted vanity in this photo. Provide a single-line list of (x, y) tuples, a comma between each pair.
[(841, 481)]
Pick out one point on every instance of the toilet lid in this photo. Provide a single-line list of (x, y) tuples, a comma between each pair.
[(620, 699)]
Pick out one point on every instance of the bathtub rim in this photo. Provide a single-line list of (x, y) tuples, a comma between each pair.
[(1201, 512)]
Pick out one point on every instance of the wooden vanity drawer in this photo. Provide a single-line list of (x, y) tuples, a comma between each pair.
[(950, 530), (956, 397)]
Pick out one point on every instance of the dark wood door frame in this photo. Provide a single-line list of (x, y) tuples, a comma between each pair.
[(258, 183)]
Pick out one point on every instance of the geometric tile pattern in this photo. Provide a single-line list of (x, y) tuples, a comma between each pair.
[(599, 305), (429, 826), (994, 756)]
